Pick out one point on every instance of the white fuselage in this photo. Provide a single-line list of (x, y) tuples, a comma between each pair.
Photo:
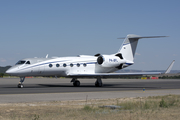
[(60, 66)]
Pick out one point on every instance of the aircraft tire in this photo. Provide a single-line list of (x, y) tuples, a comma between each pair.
[(97, 84), (20, 85), (76, 83)]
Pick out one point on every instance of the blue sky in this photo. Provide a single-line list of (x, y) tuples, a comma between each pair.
[(35, 28)]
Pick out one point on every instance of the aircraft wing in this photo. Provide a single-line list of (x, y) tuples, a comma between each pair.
[(113, 75)]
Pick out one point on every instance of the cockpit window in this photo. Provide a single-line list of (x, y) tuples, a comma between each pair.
[(28, 62), (20, 62)]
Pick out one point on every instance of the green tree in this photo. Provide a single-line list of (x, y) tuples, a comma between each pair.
[(1, 74)]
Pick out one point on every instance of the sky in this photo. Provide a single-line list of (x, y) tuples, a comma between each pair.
[(61, 28)]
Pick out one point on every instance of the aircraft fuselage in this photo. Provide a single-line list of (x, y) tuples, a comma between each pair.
[(60, 66)]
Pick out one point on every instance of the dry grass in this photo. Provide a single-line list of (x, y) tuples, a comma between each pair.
[(132, 109)]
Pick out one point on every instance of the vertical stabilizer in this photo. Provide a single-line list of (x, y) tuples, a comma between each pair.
[(128, 47)]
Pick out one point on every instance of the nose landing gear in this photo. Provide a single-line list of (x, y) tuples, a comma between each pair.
[(20, 85)]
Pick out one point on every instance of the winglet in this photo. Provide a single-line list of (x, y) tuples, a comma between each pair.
[(170, 67)]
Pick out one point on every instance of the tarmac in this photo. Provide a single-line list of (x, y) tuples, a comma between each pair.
[(51, 89)]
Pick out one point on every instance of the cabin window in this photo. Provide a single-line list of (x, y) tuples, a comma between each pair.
[(28, 62), (71, 65), (57, 65), (50, 65), (78, 64), (64, 65), (84, 64)]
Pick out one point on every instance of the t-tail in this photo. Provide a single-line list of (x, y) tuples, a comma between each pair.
[(129, 46)]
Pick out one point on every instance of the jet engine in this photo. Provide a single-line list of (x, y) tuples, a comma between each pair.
[(110, 61)]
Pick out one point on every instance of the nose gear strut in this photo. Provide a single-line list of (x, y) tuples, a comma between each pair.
[(20, 85)]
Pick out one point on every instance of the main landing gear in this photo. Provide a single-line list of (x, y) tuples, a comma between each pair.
[(20, 85), (76, 82), (98, 82)]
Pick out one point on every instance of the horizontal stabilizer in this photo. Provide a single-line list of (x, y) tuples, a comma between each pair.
[(143, 37)]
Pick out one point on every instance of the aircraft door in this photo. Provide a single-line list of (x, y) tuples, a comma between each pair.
[(41, 69), (38, 69)]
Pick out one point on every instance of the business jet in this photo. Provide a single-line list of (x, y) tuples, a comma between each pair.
[(97, 66)]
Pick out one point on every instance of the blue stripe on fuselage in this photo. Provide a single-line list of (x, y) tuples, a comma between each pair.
[(54, 62)]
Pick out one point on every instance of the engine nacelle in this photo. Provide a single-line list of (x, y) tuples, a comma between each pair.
[(110, 61)]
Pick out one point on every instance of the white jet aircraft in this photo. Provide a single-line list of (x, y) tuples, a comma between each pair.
[(97, 66)]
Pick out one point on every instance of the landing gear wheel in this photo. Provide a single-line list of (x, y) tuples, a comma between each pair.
[(98, 82), (76, 83), (20, 85)]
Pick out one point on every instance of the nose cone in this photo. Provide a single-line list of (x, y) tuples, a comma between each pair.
[(9, 71), (12, 71)]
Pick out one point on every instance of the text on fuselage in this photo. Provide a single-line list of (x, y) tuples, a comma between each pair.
[(113, 60)]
